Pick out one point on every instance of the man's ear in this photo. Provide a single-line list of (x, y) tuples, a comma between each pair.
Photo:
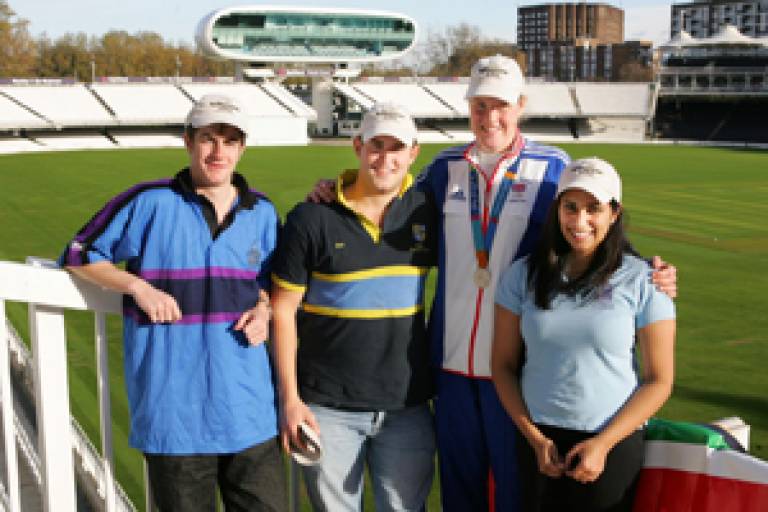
[(187, 141), (522, 101), (357, 144), (415, 151)]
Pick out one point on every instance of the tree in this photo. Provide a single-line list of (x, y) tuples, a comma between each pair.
[(17, 49)]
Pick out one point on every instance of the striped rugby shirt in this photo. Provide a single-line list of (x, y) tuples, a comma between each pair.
[(194, 386), (461, 321), (361, 327)]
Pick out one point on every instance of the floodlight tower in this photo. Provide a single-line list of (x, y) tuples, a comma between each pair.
[(323, 43)]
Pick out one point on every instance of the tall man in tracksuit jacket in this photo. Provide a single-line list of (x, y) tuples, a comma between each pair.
[(197, 250), (493, 195)]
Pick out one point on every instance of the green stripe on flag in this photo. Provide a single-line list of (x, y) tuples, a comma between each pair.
[(682, 432)]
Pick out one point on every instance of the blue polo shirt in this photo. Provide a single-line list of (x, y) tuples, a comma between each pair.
[(579, 362), (194, 386)]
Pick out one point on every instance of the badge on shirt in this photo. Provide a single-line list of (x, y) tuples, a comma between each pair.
[(457, 194), (254, 256), (517, 193), (419, 236)]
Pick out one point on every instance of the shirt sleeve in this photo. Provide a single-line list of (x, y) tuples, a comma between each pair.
[(653, 305), (114, 234), (270, 239), (510, 290), (293, 259)]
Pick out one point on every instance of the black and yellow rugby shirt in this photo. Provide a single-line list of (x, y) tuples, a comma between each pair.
[(361, 327)]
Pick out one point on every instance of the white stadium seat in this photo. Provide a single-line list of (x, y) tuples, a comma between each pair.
[(62, 104), (146, 103)]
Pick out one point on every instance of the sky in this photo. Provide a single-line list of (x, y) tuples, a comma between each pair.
[(176, 20)]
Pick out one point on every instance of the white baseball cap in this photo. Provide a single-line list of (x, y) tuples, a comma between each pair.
[(218, 109), (388, 118), (498, 77), (593, 175)]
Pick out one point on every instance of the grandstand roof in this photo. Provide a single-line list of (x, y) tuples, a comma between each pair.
[(728, 35)]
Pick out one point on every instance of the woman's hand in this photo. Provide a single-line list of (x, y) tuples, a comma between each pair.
[(586, 460), (548, 458)]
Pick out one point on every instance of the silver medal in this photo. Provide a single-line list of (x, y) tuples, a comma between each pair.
[(482, 277)]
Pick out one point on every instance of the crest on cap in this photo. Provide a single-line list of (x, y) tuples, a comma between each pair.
[(388, 118), (218, 109)]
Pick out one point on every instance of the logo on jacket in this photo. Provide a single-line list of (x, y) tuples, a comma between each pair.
[(517, 193), (254, 256), (419, 232), (457, 194)]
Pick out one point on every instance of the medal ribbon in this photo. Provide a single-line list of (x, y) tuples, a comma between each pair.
[(483, 235)]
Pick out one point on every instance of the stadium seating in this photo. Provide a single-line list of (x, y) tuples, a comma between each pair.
[(148, 140), (74, 141), (145, 103), (352, 93), (63, 105), (18, 145), (13, 116), (549, 100), (451, 93), (293, 103), (255, 99), (612, 99), (412, 96)]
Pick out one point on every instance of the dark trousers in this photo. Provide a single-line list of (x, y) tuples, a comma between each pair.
[(251, 480), (613, 491)]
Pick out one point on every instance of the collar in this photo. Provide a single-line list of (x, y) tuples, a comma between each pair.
[(349, 176), (247, 198), (471, 155)]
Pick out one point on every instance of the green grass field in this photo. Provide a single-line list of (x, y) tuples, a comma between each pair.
[(704, 209)]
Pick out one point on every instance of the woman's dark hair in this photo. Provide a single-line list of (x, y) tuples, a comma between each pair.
[(546, 262)]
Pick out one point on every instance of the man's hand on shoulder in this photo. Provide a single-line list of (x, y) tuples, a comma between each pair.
[(664, 276), (159, 306), (254, 323), (324, 191)]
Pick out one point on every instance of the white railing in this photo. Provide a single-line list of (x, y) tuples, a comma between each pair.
[(48, 292)]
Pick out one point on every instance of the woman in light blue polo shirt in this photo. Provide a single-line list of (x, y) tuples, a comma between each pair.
[(568, 320)]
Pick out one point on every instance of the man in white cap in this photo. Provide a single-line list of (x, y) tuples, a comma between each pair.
[(349, 279), (197, 250), (493, 195)]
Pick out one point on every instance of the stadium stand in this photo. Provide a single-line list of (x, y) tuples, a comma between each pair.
[(549, 100), (614, 99), (145, 103), (61, 104), (148, 140), (547, 130), (412, 96), (73, 141), (275, 119), (352, 93), (294, 104), (727, 119), (451, 93), (257, 101), (18, 145), (150, 112), (14, 116), (433, 136)]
